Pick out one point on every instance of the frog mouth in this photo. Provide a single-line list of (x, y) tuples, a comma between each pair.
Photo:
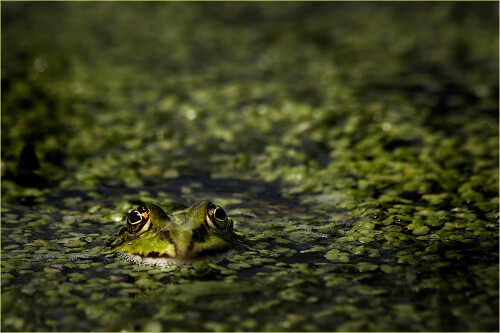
[(206, 253), (159, 260)]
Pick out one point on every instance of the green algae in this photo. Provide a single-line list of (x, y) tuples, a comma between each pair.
[(362, 166)]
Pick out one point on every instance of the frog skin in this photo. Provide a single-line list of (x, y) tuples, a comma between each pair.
[(203, 230)]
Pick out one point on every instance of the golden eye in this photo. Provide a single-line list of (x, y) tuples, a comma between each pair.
[(220, 214), (138, 220), (216, 216), (134, 217)]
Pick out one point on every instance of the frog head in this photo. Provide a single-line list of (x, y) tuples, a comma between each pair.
[(202, 230)]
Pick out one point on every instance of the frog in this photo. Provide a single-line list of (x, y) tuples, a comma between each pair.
[(152, 236)]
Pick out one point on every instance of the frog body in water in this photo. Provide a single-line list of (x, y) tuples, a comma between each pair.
[(154, 237)]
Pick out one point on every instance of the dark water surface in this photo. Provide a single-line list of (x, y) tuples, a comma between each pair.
[(355, 145)]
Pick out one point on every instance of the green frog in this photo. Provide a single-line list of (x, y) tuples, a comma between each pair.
[(154, 237)]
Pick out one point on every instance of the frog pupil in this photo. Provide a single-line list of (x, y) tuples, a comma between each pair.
[(135, 217), (220, 214)]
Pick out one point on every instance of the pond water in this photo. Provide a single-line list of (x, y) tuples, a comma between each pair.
[(354, 144)]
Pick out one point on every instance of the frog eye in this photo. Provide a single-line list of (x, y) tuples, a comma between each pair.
[(220, 214), (138, 220), (134, 217), (216, 216)]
